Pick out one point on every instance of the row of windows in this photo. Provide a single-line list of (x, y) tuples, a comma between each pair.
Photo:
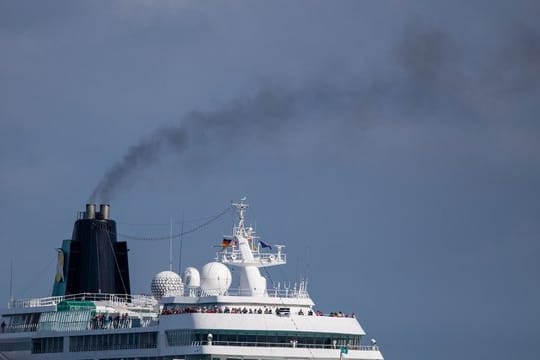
[(47, 345), (15, 345), (145, 340), (186, 357), (21, 322), (186, 337), (65, 320), (261, 338), (180, 337)]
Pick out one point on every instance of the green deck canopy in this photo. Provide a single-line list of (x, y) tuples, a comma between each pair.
[(75, 305)]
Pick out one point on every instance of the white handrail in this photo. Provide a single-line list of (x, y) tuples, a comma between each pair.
[(113, 299)]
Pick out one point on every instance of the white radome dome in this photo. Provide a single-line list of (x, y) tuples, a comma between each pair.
[(215, 278), (166, 283), (191, 278)]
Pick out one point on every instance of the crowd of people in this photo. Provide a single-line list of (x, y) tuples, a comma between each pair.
[(340, 314), (170, 310), (103, 321), (216, 309)]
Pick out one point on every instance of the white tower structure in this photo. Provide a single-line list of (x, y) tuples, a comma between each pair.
[(245, 255)]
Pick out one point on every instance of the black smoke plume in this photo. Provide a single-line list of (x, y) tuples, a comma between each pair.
[(261, 117), (430, 75)]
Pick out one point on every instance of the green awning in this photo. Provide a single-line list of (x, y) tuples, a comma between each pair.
[(75, 305)]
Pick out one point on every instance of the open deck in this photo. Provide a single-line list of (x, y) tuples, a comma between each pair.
[(135, 301)]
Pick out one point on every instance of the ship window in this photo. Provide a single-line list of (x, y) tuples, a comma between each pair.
[(186, 337), (155, 358), (47, 345), (102, 342), (15, 345), (22, 322), (272, 339)]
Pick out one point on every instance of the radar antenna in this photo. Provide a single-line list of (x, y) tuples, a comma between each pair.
[(240, 208)]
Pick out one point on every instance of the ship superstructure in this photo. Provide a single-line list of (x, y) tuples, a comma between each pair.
[(196, 316)]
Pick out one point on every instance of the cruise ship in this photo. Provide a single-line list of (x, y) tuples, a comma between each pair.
[(197, 316)]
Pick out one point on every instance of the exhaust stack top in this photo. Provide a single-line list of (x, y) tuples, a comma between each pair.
[(102, 214), (104, 211), (90, 211)]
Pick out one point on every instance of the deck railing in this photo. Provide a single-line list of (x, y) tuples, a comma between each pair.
[(16, 328), (259, 258), (293, 292), (109, 299), (94, 324), (147, 301), (291, 344), (121, 323)]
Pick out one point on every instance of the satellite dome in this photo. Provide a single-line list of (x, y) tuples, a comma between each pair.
[(215, 278), (166, 283), (191, 278)]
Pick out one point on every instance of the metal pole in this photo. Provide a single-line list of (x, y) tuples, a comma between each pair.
[(11, 284), (181, 241), (170, 244)]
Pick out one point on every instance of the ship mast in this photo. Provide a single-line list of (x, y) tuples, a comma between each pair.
[(246, 255)]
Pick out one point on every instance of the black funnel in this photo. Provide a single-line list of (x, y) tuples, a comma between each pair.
[(97, 262)]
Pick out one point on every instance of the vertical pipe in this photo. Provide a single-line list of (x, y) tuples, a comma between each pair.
[(181, 239), (170, 244), (90, 211), (11, 284), (104, 211)]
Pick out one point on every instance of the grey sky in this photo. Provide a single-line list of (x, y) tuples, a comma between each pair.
[(393, 147)]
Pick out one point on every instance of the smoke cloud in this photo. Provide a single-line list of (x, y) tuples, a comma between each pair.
[(429, 75), (138, 157), (262, 117)]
